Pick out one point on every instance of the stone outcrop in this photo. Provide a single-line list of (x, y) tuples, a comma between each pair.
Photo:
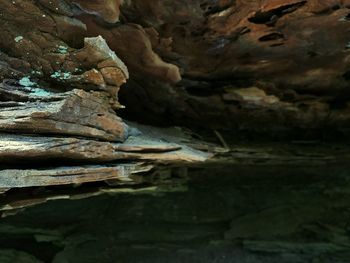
[(79, 183), (296, 51), (59, 97), (186, 58)]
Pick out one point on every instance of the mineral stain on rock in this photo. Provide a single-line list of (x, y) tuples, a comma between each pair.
[(18, 39), (26, 82)]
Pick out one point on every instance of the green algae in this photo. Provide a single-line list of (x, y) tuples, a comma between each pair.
[(18, 39), (32, 88), (26, 82), (61, 75), (62, 49)]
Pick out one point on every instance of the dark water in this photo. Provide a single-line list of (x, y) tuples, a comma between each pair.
[(240, 214)]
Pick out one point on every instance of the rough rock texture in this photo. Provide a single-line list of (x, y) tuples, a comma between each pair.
[(188, 59), (76, 112), (59, 96), (295, 51), (79, 184)]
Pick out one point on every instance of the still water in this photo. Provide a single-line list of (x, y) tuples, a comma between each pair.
[(219, 213)]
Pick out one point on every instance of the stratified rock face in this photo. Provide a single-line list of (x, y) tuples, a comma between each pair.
[(60, 88), (189, 59)]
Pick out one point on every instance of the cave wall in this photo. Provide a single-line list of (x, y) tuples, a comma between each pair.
[(244, 65), (256, 66)]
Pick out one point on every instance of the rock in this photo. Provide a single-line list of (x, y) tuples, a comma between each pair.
[(18, 178), (108, 10), (77, 112), (233, 71), (19, 148)]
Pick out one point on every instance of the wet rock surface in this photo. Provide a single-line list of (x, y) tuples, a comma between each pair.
[(223, 213)]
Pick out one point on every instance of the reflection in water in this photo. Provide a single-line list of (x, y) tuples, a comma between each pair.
[(224, 214)]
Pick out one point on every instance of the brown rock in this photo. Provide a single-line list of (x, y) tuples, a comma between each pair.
[(73, 113)]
